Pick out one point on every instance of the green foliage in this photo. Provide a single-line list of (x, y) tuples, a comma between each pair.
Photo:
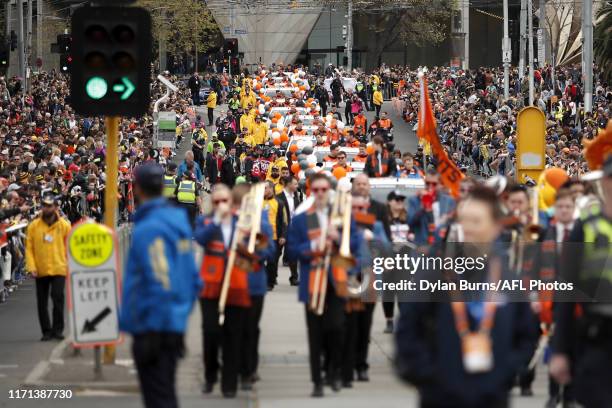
[(185, 26)]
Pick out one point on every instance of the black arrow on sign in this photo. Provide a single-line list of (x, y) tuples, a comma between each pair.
[(90, 326)]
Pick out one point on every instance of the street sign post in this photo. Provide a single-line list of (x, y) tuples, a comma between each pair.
[(93, 287), (166, 133)]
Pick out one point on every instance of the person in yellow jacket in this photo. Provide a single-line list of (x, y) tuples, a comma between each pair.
[(246, 121), (274, 172), (46, 261), (211, 104), (258, 133), (377, 99), (247, 97), (279, 222)]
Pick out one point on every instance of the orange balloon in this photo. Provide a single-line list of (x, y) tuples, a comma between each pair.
[(274, 120), (370, 149), (278, 115), (295, 168), (339, 172), (284, 137), (293, 148), (555, 177), (302, 88), (258, 87), (277, 141)]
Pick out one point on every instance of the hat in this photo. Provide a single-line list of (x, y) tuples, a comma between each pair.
[(396, 195), (13, 187), (48, 199), (5, 152), (149, 175)]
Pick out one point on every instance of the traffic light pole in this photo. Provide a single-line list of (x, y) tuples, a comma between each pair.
[(20, 42), (111, 123)]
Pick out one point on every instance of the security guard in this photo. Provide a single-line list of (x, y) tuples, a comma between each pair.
[(170, 184), (582, 342), (160, 285), (187, 195)]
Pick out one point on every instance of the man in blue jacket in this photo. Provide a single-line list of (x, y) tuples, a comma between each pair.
[(303, 245), (160, 286), (188, 162), (429, 210)]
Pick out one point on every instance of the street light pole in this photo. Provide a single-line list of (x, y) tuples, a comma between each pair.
[(530, 36), (20, 41), (506, 53), (39, 28), (587, 50), (349, 37), (523, 26)]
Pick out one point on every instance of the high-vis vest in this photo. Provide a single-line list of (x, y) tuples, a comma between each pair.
[(186, 192), (169, 186)]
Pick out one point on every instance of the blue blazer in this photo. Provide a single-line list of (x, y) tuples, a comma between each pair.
[(299, 249), (417, 219), (258, 284)]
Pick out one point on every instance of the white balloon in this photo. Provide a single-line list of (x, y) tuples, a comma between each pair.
[(301, 174), (311, 159), (269, 133), (275, 135), (261, 110), (340, 125), (280, 126), (301, 144), (308, 143), (317, 108), (261, 106)]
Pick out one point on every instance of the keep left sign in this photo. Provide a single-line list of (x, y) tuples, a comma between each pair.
[(93, 284)]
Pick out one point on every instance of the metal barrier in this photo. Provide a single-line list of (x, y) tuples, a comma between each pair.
[(124, 238)]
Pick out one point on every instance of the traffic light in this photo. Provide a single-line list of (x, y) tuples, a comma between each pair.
[(5, 54), (230, 46), (111, 67), (64, 43), (65, 63)]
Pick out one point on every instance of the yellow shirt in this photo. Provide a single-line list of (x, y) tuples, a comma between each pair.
[(259, 133), (46, 247), (272, 206), (377, 98), (245, 100), (246, 121), (211, 102)]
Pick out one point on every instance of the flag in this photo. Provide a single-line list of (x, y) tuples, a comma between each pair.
[(450, 175)]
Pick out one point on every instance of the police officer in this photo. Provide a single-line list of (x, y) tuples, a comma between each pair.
[(160, 286), (170, 184), (187, 195), (582, 342)]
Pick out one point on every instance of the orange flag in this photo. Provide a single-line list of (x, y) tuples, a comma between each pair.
[(450, 175)]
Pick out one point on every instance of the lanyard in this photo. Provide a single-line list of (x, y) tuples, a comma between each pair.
[(460, 310)]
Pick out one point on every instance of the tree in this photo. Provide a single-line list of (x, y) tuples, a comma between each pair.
[(602, 39), (417, 22), (182, 26)]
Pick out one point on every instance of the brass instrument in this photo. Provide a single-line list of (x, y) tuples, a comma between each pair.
[(249, 222), (533, 229), (340, 217)]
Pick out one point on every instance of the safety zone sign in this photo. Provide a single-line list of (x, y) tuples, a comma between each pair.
[(93, 284)]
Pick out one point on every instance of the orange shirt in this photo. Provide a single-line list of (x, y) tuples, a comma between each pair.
[(346, 167), (360, 159)]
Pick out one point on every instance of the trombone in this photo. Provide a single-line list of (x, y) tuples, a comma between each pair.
[(249, 218), (340, 216)]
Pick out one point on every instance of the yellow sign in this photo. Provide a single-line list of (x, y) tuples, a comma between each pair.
[(530, 143), (91, 244)]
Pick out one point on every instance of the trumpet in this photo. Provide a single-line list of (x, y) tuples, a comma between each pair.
[(340, 217), (248, 224)]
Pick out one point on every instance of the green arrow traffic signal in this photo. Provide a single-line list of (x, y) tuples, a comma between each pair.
[(127, 87)]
